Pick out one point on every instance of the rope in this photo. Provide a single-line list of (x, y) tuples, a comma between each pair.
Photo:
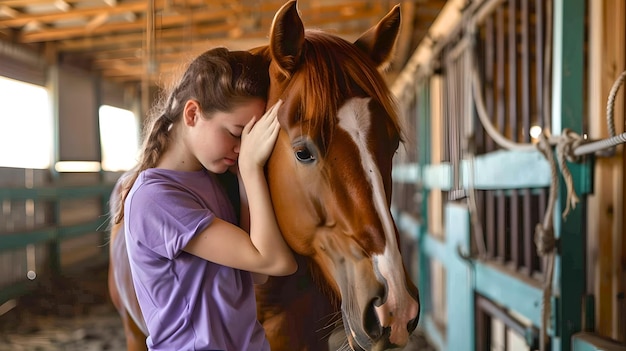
[(546, 241), (565, 147), (610, 103)]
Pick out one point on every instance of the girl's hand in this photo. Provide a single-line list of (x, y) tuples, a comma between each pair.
[(258, 138)]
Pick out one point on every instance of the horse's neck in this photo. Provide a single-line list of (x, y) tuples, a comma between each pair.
[(296, 310), (307, 280)]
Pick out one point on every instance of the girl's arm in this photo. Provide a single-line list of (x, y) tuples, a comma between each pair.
[(264, 251), (245, 222)]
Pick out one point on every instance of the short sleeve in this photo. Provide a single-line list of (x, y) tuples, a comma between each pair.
[(163, 217)]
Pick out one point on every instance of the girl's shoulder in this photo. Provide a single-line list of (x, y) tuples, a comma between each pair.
[(154, 181), (160, 177), (174, 176)]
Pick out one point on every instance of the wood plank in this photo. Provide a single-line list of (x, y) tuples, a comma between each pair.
[(510, 290), (605, 224), (435, 197)]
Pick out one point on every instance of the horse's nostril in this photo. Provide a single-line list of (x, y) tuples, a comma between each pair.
[(412, 325), (371, 323)]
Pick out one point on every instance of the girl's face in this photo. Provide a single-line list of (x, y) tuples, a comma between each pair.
[(215, 140)]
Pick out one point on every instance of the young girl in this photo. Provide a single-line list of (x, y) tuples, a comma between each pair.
[(190, 260)]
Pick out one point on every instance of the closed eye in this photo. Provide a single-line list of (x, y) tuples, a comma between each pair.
[(235, 134)]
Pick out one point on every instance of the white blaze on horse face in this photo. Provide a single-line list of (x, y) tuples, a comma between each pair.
[(399, 307)]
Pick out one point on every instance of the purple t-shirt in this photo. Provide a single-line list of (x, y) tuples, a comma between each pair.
[(188, 303)]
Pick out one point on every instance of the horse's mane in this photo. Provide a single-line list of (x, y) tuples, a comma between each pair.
[(332, 70)]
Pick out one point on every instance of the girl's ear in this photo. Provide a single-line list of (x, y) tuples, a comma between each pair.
[(190, 112)]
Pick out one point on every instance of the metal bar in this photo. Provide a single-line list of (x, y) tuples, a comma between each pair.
[(515, 233), (599, 145), (491, 223), (512, 69), (452, 122), (528, 232), (489, 64), (484, 9), (524, 203), (500, 99), (483, 328), (500, 115), (525, 76), (539, 60), (501, 231)]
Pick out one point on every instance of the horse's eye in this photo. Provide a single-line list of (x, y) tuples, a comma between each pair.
[(304, 155)]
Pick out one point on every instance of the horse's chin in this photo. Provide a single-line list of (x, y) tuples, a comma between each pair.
[(358, 340), (361, 342), (354, 345), (379, 346)]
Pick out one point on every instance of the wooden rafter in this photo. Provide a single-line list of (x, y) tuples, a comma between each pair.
[(109, 35)]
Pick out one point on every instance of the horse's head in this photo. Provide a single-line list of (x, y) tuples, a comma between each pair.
[(330, 172)]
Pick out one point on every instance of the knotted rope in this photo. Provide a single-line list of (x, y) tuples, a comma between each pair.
[(545, 239)]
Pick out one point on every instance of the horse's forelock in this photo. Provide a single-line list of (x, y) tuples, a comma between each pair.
[(334, 70)]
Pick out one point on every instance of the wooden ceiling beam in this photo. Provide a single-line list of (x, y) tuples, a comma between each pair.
[(9, 11), (97, 43), (96, 22), (164, 52), (96, 34), (76, 13), (23, 3), (111, 28), (180, 21)]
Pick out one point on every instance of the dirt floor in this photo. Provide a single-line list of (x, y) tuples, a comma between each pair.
[(74, 313), (71, 313)]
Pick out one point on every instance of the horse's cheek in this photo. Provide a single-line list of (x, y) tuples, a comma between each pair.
[(280, 177)]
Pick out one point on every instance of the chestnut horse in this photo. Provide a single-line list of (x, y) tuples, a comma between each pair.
[(330, 181)]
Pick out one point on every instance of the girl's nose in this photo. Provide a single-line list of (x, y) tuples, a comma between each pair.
[(237, 147)]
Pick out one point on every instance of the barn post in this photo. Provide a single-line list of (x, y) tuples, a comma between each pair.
[(567, 110), (54, 248), (422, 115)]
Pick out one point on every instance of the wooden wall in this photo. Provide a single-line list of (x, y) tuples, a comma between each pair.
[(606, 233)]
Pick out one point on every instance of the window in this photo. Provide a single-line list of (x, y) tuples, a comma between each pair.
[(25, 125), (119, 137)]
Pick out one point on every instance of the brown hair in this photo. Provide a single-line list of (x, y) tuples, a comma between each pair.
[(219, 80)]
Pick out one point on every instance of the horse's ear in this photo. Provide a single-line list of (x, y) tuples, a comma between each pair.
[(378, 41), (287, 38)]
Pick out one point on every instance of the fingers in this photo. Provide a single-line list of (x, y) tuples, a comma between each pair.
[(259, 138), (273, 111), (274, 134), (270, 117), (248, 127)]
